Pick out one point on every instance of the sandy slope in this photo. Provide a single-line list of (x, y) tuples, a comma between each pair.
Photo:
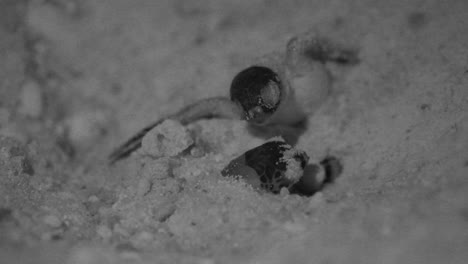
[(81, 76)]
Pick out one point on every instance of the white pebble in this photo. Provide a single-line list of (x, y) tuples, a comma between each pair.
[(104, 232), (52, 221), (93, 199)]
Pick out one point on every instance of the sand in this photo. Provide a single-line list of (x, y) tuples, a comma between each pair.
[(78, 78)]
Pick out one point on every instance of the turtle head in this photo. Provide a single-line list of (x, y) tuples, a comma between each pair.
[(258, 91)]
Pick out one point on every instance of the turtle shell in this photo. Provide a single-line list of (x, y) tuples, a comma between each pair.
[(277, 164)]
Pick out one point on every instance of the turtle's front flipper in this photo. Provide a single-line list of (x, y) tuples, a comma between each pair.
[(314, 47), (216, 107)]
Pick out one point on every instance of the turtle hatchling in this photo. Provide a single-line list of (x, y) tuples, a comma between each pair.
[(271, 166)]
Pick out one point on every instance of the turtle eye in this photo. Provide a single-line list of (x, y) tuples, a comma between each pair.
[(260, 101), (270, 95), (256, 114)]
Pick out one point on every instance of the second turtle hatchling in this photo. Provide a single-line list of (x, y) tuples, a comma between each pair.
[(271, 166)]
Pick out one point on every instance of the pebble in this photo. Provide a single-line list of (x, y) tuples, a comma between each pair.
[(31, 101), (52, 221), (104, 232), (93, 199)]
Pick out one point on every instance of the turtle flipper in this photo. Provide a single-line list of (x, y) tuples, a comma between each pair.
[(270, 166)]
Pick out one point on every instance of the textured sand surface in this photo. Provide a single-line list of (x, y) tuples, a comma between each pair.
[(79, 77)]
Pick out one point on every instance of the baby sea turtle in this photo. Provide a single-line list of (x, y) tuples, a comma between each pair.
[(271, 166), (276, 165), (281, 90)]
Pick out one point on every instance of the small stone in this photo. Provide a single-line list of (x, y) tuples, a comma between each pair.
[(52, 221), (104, 232), (93, 199)]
